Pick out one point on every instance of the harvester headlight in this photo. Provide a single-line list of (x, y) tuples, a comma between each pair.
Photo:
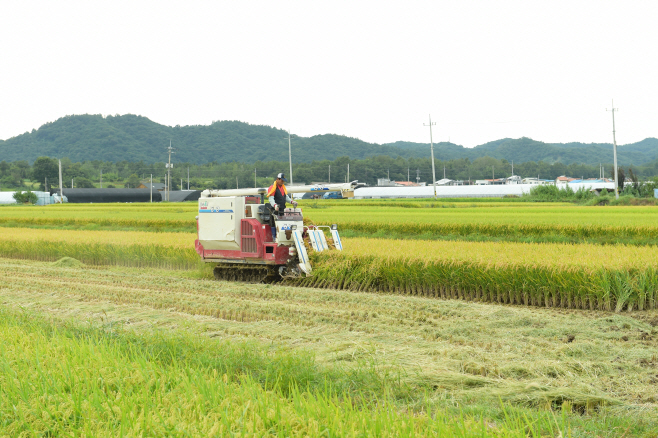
[(334, 226)]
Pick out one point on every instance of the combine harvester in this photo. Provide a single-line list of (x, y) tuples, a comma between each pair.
[(234, 231)]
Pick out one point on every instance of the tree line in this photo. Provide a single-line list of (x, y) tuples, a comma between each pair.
[(45, 172)]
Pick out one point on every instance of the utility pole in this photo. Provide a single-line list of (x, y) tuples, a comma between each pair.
[(493, 173), (432, 150), (418, 176), (512, 167), (407, 173), (151, 188), (71, 182), (236, 182), (255, 184), (61, 190), (614, 143), (169, 167), (188, 178), (444, 172), (290, 156), (330, 173), (348, 172)]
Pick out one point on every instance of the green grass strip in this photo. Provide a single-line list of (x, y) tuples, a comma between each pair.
[(66, 380)]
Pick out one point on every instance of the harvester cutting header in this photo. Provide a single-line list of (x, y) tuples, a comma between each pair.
[(251, 240)]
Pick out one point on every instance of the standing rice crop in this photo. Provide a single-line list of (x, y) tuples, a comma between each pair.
[(124, 248), (552, 275)]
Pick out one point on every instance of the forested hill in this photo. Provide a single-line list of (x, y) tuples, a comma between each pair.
[(525, 149), (135, 138)]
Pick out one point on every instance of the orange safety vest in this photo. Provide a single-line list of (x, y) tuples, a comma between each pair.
[(273, 187)]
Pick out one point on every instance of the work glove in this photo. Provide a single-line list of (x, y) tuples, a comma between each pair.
[(276, 207), (294, 203)]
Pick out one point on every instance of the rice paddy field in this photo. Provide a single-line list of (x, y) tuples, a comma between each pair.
[(463, 219), (441, 318)]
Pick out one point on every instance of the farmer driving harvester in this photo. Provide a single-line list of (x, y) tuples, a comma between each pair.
[(278, 196)]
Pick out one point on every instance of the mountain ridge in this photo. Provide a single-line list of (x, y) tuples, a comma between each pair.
[(129, 137)]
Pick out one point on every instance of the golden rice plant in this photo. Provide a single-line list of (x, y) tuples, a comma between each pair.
[(124, 248), (78, 222), (577, 231), (553, 275)]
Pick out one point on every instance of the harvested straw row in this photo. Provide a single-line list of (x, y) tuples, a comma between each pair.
[(522, 283)]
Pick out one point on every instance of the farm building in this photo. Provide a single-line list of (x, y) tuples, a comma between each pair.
[(43, 198), (77, 196), (472, 191), (156, 186)]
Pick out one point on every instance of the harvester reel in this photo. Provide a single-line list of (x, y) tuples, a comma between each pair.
[(290, 270)]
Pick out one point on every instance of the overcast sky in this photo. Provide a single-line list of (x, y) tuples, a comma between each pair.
[(373, 70)]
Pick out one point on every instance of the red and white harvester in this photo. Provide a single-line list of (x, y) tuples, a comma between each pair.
[(234, 231)]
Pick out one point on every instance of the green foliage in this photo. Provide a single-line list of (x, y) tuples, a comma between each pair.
[(25, 197), (553, 193), (132, 182), (11, 181), (83, 183), (45, 168), (111, 176)]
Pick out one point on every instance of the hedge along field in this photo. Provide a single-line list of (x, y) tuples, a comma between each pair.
[(553, 275)]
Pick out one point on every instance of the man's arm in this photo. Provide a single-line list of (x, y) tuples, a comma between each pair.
[(272, 203)]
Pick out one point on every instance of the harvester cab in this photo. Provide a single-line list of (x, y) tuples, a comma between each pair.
[(234, 230)]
